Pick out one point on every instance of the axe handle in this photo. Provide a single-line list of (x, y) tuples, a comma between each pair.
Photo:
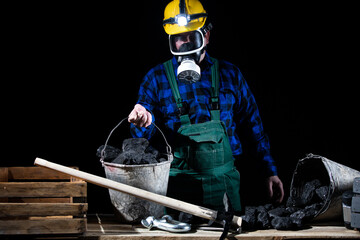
[(137, 192)]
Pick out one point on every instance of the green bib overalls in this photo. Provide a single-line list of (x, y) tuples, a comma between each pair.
[(203, 167)]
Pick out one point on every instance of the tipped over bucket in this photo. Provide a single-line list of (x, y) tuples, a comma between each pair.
[(339, 178)]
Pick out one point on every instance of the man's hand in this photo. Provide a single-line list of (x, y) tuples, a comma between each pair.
[(140, 117), (275, 188)]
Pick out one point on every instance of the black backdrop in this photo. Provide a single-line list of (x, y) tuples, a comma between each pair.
[(73, 71)]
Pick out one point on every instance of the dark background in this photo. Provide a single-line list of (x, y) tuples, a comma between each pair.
[(72, 72)]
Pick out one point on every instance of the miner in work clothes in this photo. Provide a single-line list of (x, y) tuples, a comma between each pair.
[(198, 98)]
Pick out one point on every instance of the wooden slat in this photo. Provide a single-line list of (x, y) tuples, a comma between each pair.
[(41, 200), (42, 209), (43, 189), (32, 173), (46, 226)]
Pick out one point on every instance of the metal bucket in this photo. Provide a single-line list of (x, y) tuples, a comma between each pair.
[(337, 177), (149, 177)]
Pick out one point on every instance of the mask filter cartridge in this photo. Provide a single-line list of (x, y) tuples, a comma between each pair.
[(188, 71)]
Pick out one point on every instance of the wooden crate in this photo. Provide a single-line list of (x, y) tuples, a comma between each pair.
[(36, 200)]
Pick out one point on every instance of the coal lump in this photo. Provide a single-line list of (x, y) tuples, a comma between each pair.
[(137, 151), (294, 215)]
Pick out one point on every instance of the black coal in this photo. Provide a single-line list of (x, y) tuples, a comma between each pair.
[(297, 212), (110, 152), (135, 151)]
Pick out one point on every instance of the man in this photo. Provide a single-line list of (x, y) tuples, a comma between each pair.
[(198, 98)]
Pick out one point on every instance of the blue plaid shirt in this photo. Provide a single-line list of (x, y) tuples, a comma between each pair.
[(237, 106)]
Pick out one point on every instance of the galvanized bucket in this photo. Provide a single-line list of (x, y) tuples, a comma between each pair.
[(149, 177), (338, 177)]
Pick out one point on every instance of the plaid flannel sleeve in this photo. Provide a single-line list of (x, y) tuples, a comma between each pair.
[(250, 119), (147, 98)]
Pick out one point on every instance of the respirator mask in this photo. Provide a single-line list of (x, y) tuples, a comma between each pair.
[(188, 47)]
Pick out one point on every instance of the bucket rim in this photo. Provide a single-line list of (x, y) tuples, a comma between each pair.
[(135, 166)]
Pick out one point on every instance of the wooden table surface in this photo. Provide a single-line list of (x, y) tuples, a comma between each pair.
[(107, 229)]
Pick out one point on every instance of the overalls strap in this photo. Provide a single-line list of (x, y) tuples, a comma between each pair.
[(215, 90), (170, 73)]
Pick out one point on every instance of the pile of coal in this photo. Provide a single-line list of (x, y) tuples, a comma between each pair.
[(295, 215), (110, 152), (135, 151)]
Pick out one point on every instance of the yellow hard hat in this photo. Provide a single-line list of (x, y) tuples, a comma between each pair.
[(184, 16)]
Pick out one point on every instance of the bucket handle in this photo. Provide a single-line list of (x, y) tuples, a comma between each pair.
[(102, 154)]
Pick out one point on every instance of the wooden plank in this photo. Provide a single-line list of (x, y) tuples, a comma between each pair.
[(32, 173), (43, 189), (41, 200), (119, 232), (106, 227), (46, 226), (42, 209)]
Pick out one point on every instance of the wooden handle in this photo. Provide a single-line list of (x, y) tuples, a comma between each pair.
[(137, 192)]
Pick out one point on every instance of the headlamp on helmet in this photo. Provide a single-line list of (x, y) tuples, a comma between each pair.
[(183, 18)]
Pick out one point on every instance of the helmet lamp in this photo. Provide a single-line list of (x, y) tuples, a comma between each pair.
[(182, 19)]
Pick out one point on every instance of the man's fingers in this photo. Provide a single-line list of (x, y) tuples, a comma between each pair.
[(132, 116), (140, 117), (146, 119), (281, 190), (149, 119), (270, 189), (276, 189)]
